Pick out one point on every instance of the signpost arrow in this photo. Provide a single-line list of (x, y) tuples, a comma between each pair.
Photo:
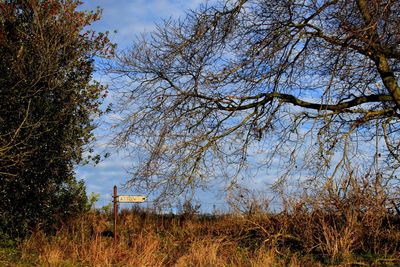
[(131, 199)]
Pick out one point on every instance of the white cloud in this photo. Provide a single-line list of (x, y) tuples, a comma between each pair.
[(132, 17)]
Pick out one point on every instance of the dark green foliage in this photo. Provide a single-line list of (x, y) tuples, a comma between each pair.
[(47, 103)]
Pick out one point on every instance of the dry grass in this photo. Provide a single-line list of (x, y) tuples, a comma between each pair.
[(354, 229), (298, 238)]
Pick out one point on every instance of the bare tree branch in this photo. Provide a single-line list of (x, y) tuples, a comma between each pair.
[(294, 82)]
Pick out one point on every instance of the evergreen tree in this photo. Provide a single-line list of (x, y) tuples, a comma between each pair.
[(47, 103)]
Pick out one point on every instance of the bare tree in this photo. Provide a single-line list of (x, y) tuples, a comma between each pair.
[(310, 87)]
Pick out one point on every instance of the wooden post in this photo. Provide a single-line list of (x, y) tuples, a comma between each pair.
[(115, 213)]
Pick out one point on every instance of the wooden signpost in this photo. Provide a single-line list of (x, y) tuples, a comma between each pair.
[(123, 199)]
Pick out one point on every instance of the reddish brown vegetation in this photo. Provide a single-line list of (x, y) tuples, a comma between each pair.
[(293, 238)]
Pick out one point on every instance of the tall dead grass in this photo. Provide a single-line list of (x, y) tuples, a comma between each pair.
[(148, 239), (298, 238), (353, 229)]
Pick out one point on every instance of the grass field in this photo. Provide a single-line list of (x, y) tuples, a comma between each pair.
[(298, 238)]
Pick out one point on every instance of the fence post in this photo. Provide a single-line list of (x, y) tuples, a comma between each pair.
[(115, 213)]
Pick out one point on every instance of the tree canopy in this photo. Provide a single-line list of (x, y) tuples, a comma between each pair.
[(47, 103), (306, 87)]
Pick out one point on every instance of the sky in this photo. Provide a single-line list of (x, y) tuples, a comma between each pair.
[(132, 17), (129, 18)]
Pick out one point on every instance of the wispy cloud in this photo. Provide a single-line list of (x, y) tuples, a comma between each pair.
[(132, 17)]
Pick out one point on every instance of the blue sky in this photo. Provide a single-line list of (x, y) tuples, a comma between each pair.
[(129, 18), (132, 17)]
